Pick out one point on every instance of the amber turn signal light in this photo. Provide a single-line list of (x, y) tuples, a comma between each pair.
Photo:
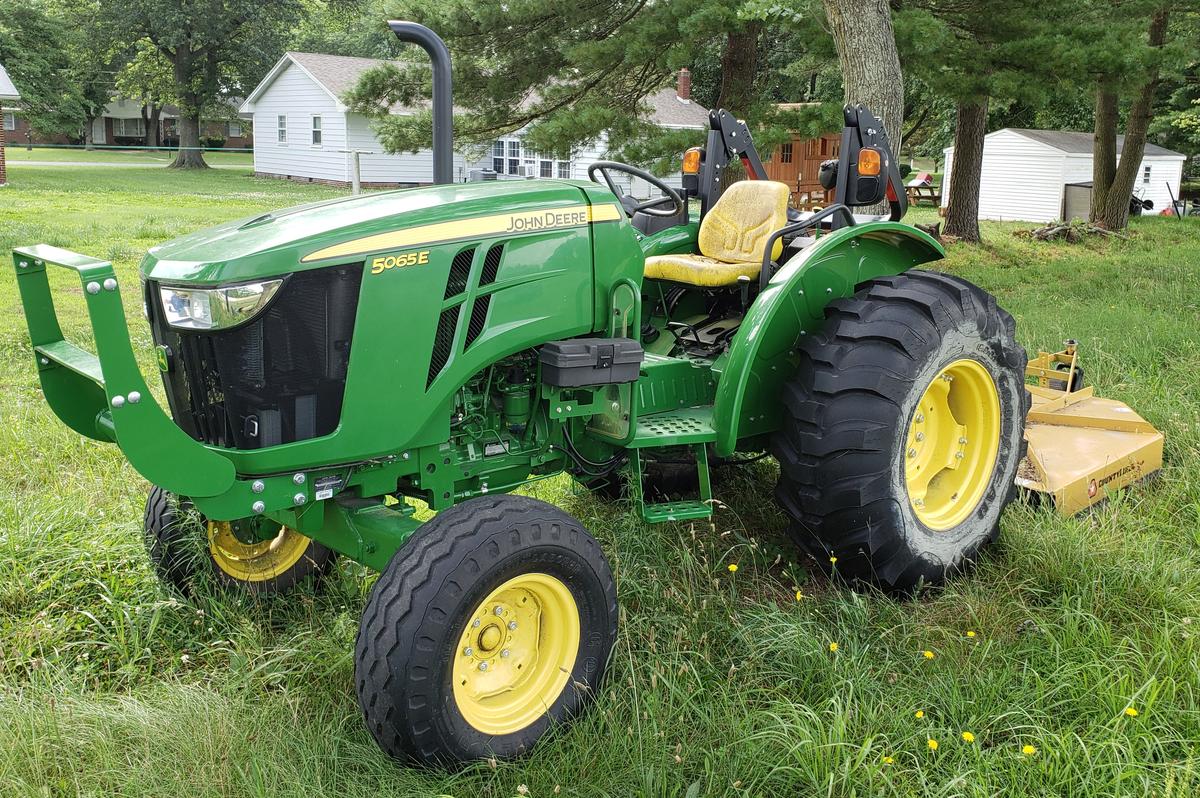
[(691, 161), (870, 161)]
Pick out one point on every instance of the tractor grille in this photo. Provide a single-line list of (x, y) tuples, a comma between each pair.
[(277, 379)]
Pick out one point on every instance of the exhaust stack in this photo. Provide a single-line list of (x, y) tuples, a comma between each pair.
[(443, 100)]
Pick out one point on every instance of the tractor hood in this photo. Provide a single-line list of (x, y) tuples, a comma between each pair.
[(345, 230)]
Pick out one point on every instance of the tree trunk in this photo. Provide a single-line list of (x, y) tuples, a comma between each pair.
[(739, 63), (190, 156), (866, 47), (1104, 147), (1115, 214), (150, 117), (962, 212), (88, 142)]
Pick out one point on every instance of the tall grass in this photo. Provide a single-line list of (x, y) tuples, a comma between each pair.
[(722, 683)]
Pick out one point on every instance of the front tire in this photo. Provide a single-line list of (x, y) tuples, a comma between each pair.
[(188, 550), (491, 626), (903, 430)]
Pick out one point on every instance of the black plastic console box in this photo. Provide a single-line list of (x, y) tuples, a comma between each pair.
[(591, 361)]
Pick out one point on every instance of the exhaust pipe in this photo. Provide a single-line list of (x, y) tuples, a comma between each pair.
[(443, 100)]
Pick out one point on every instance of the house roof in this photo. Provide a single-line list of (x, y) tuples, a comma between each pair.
[(7, 90), (337, 74)]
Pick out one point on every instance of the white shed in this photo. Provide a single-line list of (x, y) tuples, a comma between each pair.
[(303, 130), (1025, 173)]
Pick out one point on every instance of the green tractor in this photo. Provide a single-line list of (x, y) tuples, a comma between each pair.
[(330, 365)]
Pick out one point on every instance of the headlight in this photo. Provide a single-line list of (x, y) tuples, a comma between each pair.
[(216, 308)]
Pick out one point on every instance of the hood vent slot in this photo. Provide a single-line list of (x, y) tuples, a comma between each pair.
[(491, 265), (443, 340), (460, 272)]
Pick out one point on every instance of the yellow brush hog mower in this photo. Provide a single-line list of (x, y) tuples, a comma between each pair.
[(1081, 447)]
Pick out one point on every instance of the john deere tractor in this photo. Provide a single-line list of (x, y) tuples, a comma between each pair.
[(328, 367)]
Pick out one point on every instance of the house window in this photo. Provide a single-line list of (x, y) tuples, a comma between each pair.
[(129, 128), (235, 130), (281, 129), (316, 130), (514, 157), (497, 156), (10, 120), (1146, 174), (545, 168), (564, 169), (785, 153)]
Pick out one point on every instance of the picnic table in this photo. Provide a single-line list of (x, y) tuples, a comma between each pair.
[(919, 194)]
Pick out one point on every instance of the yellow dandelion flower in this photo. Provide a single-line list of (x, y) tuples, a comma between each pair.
[(799, 596), (970, 633), (887, 760), (833, 646), (1131, 712), (920, 713), (927, 654), (732, 567), (932, 743), (968, 737), (1028, 750), (833, 560)]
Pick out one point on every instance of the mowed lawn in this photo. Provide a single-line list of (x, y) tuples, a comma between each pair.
[(16, 154), (722, 683)]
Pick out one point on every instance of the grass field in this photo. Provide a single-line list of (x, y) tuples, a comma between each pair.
[(722, 683), (18, 155)]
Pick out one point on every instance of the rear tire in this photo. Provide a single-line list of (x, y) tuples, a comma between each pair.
[(187, 551), (491, 626), (857, 456)]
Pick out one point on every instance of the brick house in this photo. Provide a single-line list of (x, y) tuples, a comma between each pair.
[(8, 94)]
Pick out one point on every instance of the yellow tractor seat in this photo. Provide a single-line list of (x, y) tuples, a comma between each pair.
[(732, 237)]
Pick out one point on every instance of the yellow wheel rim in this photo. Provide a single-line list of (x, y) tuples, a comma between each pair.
[(254, 562), (516, 653), (953, 441)]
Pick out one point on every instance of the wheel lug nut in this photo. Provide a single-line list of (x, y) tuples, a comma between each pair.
[(483, 666), (920, 417), (512, 625), (920, 436), (498, 611), (504, 653), (475, 624), (912, 452), (963, 441), (958, 455), (468, 651), (919, 502)]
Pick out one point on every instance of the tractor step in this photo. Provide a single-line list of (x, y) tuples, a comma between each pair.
[(686, 426), (691, 427)]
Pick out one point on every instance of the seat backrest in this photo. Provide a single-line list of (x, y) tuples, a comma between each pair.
[(736, 228)]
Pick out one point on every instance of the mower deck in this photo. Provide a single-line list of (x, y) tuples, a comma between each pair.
[(1082, 447)]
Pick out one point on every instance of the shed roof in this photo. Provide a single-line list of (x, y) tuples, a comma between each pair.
[(1080, 143), (337, 74), (7, 90)]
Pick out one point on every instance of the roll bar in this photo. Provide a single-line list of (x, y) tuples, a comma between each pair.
[(443, 99)]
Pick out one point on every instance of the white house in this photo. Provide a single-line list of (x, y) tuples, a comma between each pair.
[(304, 131), (1026, 172)]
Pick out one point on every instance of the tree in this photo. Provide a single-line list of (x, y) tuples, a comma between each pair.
[(214, 47), (975, 54), (569, 70), (148, 80), (34, 49), (866, 48), (1112, 181)]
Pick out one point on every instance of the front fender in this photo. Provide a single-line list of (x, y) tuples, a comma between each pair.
[(764, 355)]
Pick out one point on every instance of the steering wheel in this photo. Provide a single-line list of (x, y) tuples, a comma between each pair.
[(651, 207)]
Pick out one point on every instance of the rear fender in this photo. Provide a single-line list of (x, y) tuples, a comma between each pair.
[(764, 355)]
